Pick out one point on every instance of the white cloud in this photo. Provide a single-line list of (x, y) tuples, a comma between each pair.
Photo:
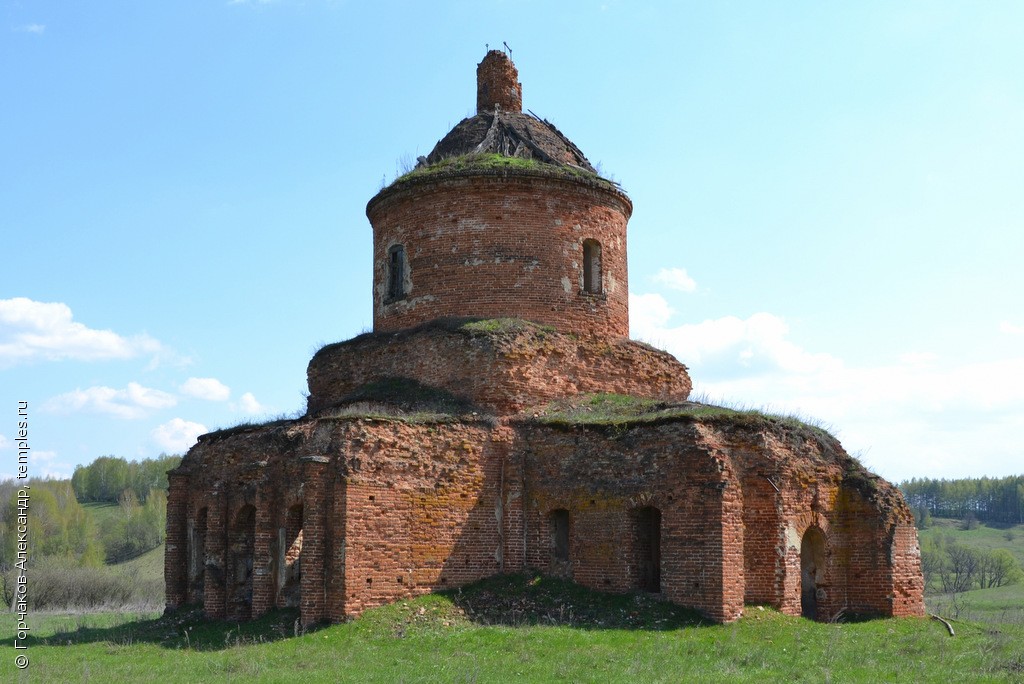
[(1010, 328), (648, 314), (915, 416), (135, 401), (38, 29), (210, 389), (248, 404), (4, 442), (724, 346), (675, 279), (177, 435), (31, 330)]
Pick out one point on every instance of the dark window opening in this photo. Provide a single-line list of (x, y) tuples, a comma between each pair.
[(396, 272), (559, 520), (592, 266), (197, 556), (647, 549)]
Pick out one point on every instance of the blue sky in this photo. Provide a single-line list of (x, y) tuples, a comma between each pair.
[(828, 203)]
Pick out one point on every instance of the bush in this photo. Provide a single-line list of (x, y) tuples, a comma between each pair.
[(57, 585)]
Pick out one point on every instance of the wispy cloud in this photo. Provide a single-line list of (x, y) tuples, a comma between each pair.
[(210, 389), (33, 331), (37, 29), (675, 279), (132, 402), (42, 464), (1010, 329), (177, 435)]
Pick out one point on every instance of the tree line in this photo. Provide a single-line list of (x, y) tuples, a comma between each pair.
[(109, 477), (990, 500)]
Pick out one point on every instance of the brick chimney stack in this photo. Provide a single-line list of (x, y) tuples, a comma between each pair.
[(497, 84)]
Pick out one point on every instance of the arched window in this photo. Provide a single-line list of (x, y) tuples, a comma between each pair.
[(592, 266), (396, 272)]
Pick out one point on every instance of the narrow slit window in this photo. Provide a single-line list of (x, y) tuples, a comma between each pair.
[(396, 272), (592, 266)]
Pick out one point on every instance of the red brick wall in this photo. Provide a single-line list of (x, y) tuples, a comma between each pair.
[(503, 372), (392, 509), (501, 244), (497, 83)]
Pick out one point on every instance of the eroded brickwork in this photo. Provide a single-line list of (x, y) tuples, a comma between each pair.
[(392, 510), (497, 84), (505, 371), (501, 244)]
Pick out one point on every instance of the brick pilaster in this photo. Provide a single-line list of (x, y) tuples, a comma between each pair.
[(214, 594), (176, 549), (313, 605)]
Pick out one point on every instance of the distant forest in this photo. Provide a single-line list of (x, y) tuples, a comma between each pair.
[(109, 478), (989, 499)]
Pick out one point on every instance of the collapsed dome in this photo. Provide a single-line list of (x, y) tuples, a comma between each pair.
[(504, 218)]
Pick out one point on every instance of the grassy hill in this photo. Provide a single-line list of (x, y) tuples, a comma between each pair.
[(1002, 537), (998, 605), (518, 628)]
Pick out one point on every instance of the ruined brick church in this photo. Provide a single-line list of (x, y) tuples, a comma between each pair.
[(499, 418)]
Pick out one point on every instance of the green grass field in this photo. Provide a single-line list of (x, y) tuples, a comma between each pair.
[(513, 629), (529, 629)]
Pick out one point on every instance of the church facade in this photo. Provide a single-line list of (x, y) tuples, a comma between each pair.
[(498, 418)]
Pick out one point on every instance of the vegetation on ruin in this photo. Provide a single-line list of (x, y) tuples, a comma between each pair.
[(521, 628), (467, 325), (247, 426), (503, 326), (492, 163), (623, 411), (405, 400)]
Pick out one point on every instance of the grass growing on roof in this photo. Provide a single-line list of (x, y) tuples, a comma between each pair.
[(620, 410), (491, 162)]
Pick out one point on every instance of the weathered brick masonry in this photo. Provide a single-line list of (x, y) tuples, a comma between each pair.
[(523, 366), (455, 441)]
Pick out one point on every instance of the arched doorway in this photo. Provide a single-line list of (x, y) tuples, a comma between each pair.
[(812, 570), (241, 542), (290, 569)]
